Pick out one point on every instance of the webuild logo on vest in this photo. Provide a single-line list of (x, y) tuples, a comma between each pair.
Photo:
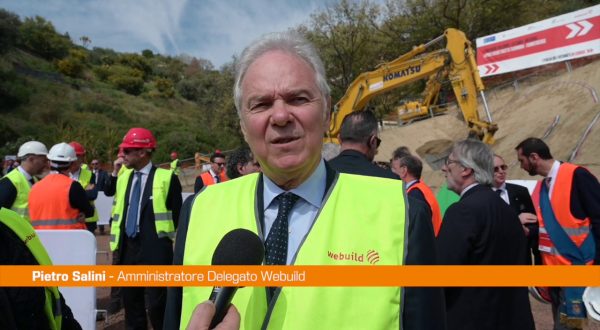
[(372, 256)]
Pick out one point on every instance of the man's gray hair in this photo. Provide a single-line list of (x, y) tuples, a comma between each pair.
[(291, 42), (477, 156)]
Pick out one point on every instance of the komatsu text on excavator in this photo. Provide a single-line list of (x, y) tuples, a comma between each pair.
[(456, 62)]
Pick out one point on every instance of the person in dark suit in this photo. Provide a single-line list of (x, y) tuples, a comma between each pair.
[(520, 201), (481, 229), (136, 235), (359, 142), (100, 174)]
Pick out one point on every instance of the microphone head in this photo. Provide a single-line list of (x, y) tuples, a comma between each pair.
[(239, 247)]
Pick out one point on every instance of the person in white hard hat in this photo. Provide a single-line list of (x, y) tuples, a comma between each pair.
[(57, 201), (16, 185)]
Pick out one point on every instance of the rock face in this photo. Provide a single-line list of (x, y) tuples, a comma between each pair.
[(521, 110)]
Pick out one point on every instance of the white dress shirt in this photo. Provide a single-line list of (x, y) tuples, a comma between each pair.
[(304, 212)]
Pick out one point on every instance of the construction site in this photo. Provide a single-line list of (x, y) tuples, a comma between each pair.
[(557, 105)]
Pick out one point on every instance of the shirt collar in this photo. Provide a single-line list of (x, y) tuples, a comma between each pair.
[(502, 187), (554, 170), (212, 173), (146, 169), (22, 170), (462, 193), (409, 184), (311, 190)]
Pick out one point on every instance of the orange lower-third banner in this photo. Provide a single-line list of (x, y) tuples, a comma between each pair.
[(444, 276)]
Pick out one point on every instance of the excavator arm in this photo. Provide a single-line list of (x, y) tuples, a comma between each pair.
[(457, 58)]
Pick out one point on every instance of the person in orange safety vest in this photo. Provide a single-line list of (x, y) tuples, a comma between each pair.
[(409, 169), (57, 201), (216, 173), (567, 203)]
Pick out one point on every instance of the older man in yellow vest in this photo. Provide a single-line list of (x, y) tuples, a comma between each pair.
[(299, 207)]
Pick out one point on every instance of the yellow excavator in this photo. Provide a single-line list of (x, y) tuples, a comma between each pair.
[(428, 106), (456, 62)]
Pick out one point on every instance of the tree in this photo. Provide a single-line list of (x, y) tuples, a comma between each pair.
[(9, 30), (39, 36), (74, 64), (346, 38), (85, 41)]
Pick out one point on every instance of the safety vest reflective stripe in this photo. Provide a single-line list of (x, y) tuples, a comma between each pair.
[(21, 203), (572, 231), (50, 206), (24, 230), (53, 222), (166, 216), (163, 218), (343, 226)]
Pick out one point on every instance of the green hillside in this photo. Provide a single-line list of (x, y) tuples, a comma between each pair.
[(94, 96), (56, 89)]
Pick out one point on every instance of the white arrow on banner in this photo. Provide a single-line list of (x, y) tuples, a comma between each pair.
[(579, 30)]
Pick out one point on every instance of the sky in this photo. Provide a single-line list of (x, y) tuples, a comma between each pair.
[(215, 30)]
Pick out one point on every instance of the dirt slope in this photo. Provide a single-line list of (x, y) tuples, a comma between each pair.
[(521, 112)]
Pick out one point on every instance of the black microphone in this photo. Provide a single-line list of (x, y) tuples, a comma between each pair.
[(237, 247)]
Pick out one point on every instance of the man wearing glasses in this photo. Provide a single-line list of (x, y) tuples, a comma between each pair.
[(481, 229), (520, 201), (216, 173)]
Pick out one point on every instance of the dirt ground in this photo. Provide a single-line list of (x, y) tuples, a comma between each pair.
[(521, 111)]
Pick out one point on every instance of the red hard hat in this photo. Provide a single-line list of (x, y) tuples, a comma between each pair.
[(138, 138), (174, 155), (79, 150)]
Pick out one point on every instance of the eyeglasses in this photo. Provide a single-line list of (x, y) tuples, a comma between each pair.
[(94, 163), (503, 167), (220, 164)]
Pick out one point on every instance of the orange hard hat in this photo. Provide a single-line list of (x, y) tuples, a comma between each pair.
[(79, 149), (138, 138), (174, 155)]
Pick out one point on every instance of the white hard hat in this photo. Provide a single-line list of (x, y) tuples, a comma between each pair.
[(591, 300), (62, 152), (32, 148)]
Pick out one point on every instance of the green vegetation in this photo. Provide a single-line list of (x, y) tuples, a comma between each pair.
[(53, 90)]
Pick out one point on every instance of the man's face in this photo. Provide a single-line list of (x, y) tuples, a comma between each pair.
[(218, 165), (282, 115), (453, 171), (529, 164), (95, 164), (499, 171), (397, 168), (132, 158), (39, 163)]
